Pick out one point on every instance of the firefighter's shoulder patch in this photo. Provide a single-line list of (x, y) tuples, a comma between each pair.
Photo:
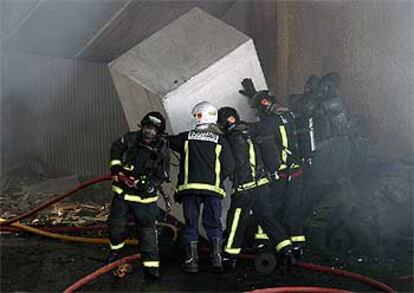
[(203, 136)]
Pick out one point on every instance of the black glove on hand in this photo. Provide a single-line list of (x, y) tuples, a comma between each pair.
[(273, 177), (248, 88)]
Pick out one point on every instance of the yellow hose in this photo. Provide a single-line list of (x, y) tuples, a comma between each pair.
[(91, 240)]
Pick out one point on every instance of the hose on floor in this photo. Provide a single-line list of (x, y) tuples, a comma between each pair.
[(54, 232), (300, 289), (347, 274), (308, 266), (331, 271), (109, 267)]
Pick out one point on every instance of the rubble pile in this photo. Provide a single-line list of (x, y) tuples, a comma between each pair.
[(89, 206)]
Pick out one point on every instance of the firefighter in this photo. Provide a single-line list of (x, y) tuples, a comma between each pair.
[(251, 188), (139, 163), (303, 107), (330, 174), (331, 117), (206, 160), (278, 122)]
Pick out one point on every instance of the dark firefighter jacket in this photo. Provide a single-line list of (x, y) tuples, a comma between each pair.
[(249, 169), (206, 160), (280, 127), (148, 165)]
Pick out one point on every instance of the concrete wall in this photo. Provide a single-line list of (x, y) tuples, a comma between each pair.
[(258, 20), (370, 43), (58, 112)]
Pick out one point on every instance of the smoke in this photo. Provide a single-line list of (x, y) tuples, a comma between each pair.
[(48, 99), (66, 112)]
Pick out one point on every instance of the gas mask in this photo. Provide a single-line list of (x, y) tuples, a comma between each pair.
[(149, 133)]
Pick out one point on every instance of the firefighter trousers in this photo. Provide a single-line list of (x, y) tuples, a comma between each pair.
[(259, 200), (145, 218), (211, 218), (291, 212)]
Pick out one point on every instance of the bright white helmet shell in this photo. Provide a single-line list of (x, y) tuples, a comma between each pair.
[(205, 113)]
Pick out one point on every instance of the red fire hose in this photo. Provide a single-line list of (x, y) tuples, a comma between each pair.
[(304, 289), (351, 275), (111, 266), (299, 289), (85, 280), (332, 271)]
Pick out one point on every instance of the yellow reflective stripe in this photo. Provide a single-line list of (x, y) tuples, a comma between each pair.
[(186, 162), (282, 244), (233, 229), (151, 264), (252, 184), (117, 189), (202, 186), (137, 198), (218, 165), (129, 167), (115, 162), (260, 234), (116, 247), (300, 238), (282, 167), (294, 166), (252, 158), (232, 250), (262, 181), (285, 144)]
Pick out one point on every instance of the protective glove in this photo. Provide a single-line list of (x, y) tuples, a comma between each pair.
[(129, 181), (273, 177), (307, 162), (116, 169), (248, 88), (142, 183), (121, 177)]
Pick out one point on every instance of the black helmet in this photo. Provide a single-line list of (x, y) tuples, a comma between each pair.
[(263, 101), (227, 117), (329, 86), (154, 119), (311, 85)]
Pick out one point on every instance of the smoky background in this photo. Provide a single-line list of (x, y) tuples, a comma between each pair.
[(60, 110)]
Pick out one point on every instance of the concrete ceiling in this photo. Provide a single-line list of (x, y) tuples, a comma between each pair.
[(94, 30)]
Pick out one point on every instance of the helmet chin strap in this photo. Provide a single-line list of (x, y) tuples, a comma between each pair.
[(276, 108), (273, 108)]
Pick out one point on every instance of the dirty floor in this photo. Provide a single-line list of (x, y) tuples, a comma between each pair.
[(35, 264)]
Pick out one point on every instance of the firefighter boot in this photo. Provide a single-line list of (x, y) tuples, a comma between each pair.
[(298, 251), (151, 274), (229, 261), (191, 261), (286, 260), (216, 259)]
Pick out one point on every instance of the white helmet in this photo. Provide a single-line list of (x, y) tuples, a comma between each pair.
[(205, 113)]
